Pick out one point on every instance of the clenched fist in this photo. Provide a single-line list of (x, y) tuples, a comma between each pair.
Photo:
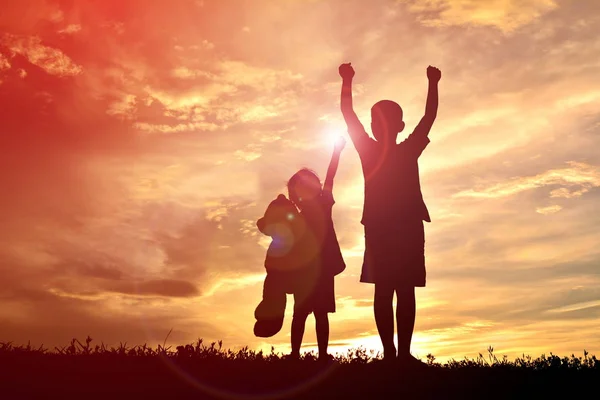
[(346, 71), (434, 74)]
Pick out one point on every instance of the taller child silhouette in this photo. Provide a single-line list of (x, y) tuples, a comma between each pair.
[(393, 211)]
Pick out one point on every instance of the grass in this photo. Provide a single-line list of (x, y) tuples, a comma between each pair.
[(201, 370)]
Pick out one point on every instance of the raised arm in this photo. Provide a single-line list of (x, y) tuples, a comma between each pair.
[(356, 130), (333, 165), (433, 75)]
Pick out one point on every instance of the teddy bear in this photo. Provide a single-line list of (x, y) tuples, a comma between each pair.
[(283, 223)]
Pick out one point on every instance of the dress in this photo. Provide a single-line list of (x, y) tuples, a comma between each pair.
[(315, 291)]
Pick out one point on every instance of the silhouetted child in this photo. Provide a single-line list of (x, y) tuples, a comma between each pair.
[(394, 209), (284, 225), (314, 291)]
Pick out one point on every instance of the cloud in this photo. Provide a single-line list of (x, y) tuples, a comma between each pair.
[(4, 63), (250, 154), (166, 128), (51, 60), (262, 94), (565, 193), (159, 287), (186, 73), (548, 210), (576, 175), (506, 15), (70, 29), (53, 319), (124, 108), (263, 79), (577, 307)]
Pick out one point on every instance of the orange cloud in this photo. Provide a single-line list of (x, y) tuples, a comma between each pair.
[(548, 210), (506, 15), (576, 175), (70, 29), (4, 63), (51, 60)]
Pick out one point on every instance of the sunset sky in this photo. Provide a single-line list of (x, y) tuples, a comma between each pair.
[(142, 140)]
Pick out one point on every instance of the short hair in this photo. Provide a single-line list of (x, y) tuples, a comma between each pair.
[(295, 179), (387, 110)]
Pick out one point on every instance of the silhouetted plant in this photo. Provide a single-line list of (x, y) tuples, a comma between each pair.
[(201, 352)]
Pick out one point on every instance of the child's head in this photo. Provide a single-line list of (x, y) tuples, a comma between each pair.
[(303, 187), (386, 121)]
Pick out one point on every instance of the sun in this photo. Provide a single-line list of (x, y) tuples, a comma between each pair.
[(332, 136)]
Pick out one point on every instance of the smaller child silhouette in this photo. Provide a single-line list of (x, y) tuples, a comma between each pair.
[(314, 290)]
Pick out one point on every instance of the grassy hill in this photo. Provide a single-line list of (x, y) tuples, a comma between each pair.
[(199, 371)]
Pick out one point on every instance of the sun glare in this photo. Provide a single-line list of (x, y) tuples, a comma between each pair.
[(332, 136)]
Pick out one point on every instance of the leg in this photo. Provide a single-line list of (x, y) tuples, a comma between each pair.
[(322, 328), (384, 318), (298, 324), (405, 317)]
